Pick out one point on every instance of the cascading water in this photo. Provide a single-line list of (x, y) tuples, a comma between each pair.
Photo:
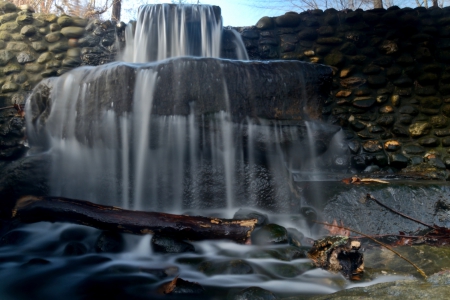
[(176, 134)]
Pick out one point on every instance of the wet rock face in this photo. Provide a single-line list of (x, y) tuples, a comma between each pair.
[(184, 79), (404, 73), (422, 202)]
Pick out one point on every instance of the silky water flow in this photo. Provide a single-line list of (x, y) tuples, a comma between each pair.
[(131, 143)]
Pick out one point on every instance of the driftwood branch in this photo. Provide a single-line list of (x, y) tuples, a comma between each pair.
[(32, 209)]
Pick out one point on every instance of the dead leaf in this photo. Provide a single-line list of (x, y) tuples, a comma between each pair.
[(333, 230)]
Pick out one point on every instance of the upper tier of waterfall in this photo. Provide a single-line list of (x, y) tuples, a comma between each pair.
[(167, 30)]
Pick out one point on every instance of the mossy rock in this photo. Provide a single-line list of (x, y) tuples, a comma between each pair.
[(235, 267), (17, 46), (430, 102), (24, 19), (39, 46), (58, 47), (11, 27), (9, 87), (8, 17), (28, 30), (7, 7), (5, 57), (53, 37), (45, 57), (12, 68), (80, 22), (270, 234), (72, 32), (335, 59), (65, 21), (34, 67), (265, 23), (419, 129)]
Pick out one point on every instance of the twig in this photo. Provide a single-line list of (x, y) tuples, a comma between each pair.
[(380, 243), (7, 107), (370, 197)]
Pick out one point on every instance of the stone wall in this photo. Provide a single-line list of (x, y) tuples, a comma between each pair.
[(391, 90), (36, 46)]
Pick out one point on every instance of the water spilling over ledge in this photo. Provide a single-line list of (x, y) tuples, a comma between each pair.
[(153, 135)]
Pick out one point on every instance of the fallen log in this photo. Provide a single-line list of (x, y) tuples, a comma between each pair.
[(31, 209)]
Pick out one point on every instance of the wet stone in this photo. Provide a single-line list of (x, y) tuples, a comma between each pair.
[(295, 237), (72, 32), (39, 46), (329, 41), (393, 72), (419, 129), (437, 163), (372, 146), (376, 80), (75, 249), (357, 125), (354, 146), (387, 109), (363, 102), (408, 109), (405, 119), (53, 37), (269, 234), (246, 214), (427, 78), (334, 59), (425, 91), (165, 244), (361, 92), (375, 129), (10, 87), (439, 121), (413, 149), (289, 19), (429, 142), (28, 30), (24, 19), (392, 145), (372, 69), (382, 98), (236, 267), (25, 57), (65, 21), (253, 292), (352, 82), (386, 120), (403, 81), (442, 132), (343, 93), (109, 241), (398, 161)]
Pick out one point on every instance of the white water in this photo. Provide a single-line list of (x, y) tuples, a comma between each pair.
[(164, 31)]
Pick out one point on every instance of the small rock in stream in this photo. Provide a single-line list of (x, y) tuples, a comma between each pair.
[(253, 293), (164, 244)]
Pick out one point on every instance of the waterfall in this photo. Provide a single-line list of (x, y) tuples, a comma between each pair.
[(169, 133), (164, 31)]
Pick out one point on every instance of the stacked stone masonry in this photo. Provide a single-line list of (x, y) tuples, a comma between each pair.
[(35, 46), (391, 86)]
